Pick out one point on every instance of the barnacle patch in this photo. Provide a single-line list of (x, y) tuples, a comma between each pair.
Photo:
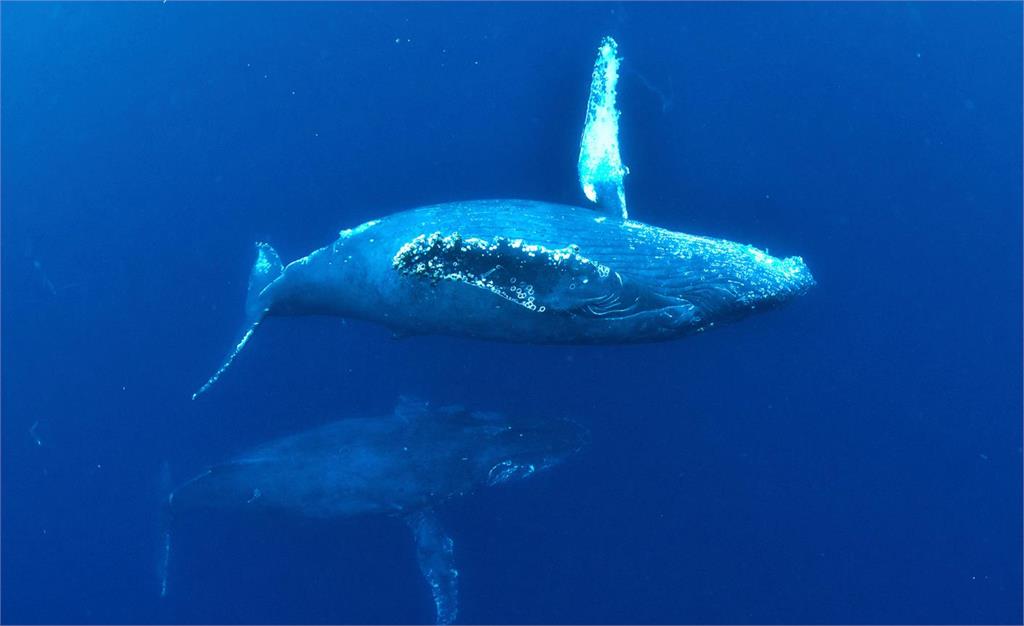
[(535, 277)]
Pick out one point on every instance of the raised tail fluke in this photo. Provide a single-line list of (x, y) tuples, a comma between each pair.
[(265, 270)]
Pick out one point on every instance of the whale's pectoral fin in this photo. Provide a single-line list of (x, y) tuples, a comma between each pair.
[(264, 271), (535, 277), (437, 563), (600, 165)]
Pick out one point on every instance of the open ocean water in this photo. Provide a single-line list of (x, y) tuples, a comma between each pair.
[(854, 457)]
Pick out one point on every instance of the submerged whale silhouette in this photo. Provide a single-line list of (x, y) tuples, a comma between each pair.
[(528, 271), (403, 465)]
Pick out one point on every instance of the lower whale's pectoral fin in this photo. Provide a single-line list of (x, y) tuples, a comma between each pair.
[(436, 559), (264, 271), (535, 277)]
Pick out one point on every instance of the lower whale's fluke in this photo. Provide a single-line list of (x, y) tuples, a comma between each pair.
[(265, 271)]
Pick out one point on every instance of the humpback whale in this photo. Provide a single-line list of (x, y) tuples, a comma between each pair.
[(403, 465), (529, 271)]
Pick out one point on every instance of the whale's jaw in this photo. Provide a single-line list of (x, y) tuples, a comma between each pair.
[(738, 280)]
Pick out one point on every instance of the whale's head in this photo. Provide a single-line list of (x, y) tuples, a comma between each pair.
[(769, 280), (725, 280), (517, 448)]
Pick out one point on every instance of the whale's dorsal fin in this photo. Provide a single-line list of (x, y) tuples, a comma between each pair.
[(436, 558), (600, 164)]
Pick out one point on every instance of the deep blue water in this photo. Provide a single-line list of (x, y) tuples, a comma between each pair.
[(853, 457)]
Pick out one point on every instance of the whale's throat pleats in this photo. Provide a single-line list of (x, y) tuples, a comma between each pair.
[(543, 280)]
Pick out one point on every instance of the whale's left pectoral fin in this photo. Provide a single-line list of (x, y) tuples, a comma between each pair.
[(541, 279), (600, 165), (265, 270), (436, 559)]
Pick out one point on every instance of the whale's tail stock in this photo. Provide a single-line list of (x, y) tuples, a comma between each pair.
[(264, 271)]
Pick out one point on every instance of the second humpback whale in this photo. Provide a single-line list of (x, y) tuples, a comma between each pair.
[(529, 271), (401, 465)]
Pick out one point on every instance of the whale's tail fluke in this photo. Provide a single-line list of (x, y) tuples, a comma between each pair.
[(265, 270)]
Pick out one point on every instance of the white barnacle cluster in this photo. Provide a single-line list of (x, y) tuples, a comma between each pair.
[(433, 256), (561, 255), (570, 258), (522, 293), (504, 260), (522, 273)]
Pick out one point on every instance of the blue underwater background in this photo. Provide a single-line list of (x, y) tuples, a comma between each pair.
[(852, 457)]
